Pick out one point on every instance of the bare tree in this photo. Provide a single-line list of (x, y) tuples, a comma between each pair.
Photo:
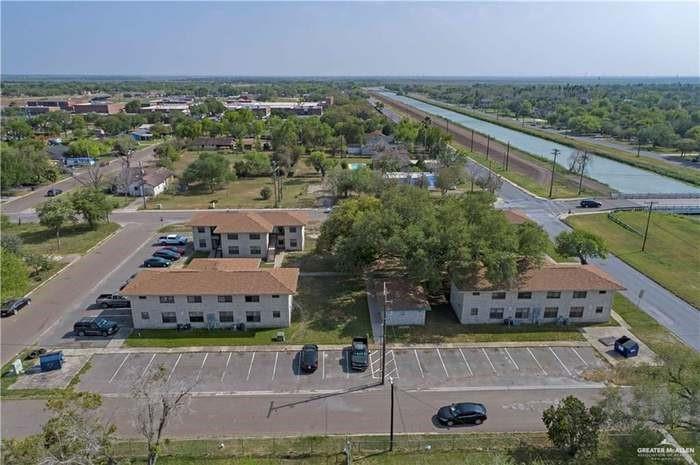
[(158, 401), (489, 183), (92, 177), (578, 163)]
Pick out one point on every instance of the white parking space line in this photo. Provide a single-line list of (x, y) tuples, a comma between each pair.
[(471, 373), (179, 356), (490, 362), (537, 362), (201, 367), (228, 360), (274, 368), (560, 362), (323, 365), (118, 368), (511, 359), (443, 362), (347, 364), (250, 368), (419, 365), (392, 371), (373, 362), (573, 349), (148, 365)]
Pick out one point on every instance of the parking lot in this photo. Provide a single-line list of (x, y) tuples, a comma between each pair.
[(278, 371)]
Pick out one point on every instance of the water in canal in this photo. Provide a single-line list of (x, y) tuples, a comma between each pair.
[(619, 176)]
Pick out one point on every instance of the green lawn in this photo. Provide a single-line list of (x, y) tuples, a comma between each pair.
[(671, 257), (75, 239), (309, 260), (328, 310)]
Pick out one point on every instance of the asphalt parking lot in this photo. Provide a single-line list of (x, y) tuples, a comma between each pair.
[(278, 371)]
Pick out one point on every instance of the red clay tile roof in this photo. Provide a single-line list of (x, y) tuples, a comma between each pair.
[(224, 264), (251, 222)]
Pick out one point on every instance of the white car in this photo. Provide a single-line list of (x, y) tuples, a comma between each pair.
[(172, 239)]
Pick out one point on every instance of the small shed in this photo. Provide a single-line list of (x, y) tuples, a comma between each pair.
[(51, 361), (405, 303), (626, 347)]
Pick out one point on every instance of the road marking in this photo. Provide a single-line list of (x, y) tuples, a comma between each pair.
[(323, 365), (466, 363), (560, 362), (419, 367), (579, 356), (199, 373), (490, 362), (250, 368), (511, 359), (443, 362), (148, 365), (298, 366), (223, 375), (274, 368), (174, 366), (537, 362), (119, 368), (396, 364), (347, 364)]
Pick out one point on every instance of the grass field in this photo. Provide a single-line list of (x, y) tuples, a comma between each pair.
[(671, 257), (75, 239)]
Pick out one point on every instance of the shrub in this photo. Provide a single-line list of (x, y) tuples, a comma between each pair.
[(265, 193)]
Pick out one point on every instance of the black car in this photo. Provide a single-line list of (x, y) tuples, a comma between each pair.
[(308, 358), (11, 307), (156, 262), (465, 412), (95, 327), (167, 254), (53, 192), (590, 203)]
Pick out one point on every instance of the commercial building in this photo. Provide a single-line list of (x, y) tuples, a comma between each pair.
[(107, 108), (265, 109)]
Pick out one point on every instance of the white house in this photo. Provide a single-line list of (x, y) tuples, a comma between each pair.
[(404, 303), (137, 182)]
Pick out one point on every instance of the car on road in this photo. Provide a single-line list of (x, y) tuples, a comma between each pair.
[(590, 203), (11, 307), (462, 413), (53, 192), (359, 355), (175, 248), (167, 254), (172, 239), (95, 327), (112, 300), (308, 358), (156, 262)]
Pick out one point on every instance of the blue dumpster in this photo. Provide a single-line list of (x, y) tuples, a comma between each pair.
[(51, 361), (626, 347)]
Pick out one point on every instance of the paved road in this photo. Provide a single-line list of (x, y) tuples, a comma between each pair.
[(362, 412)]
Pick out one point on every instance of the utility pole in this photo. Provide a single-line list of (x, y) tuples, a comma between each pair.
[(386, 301), (275, 176), (472, 146), (507, 155), (391, 421), (488, 146), (646, 228), (143, 192), (584, 161), (555, 152)]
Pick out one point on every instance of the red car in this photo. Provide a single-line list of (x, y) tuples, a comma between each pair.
[(175, 248)]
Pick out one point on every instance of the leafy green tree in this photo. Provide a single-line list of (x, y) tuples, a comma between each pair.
[(581, 244), (406, 131), (160, 130), (284, 133), (210, 169), (125, 145), (253, 164), (11, 242), (54, 214), (93, 204), (320, 162), (23, 163), (314, 133), (167, 154), (37, 263), (573, 427), (87, 148), (342, 219), (15, 129), (188, 129), (363, 180), (14, 274), (133, 106), (448, 178)]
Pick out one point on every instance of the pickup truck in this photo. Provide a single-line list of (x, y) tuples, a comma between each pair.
[(359, 354), (112, 300)]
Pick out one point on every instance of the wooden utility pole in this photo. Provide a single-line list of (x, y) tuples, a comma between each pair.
[(472, 146), (555, 152), (507, 155), (488, 146), (646, 228)]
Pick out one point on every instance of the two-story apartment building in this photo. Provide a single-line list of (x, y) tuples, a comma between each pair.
[(256, 234), (213, 294), (553, 293)]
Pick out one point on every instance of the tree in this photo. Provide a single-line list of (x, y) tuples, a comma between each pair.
[(448, 178), (188, 129), (686, 145), (406, 131), (11, 242), (253, 164), (343, 181), (159, 130), (581, 244), (93, 204), (15, 277), (87, 148), (16, 129), (211, 169), (573, 427), (125, 146), (133, 106), (320, 162), (342, 219), (167, 154), (314, 133), (23, 163), (55, 213)]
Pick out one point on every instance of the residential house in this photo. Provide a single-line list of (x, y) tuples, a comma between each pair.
[(138, 182), (391, 160), (553, 293), (143, 132), (213, 296), (374, 142), (404, 303), (213, 143), (248, 234)]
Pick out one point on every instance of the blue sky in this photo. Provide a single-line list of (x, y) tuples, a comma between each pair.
[(416, 39)]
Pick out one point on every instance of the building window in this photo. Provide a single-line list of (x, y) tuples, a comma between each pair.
[(200, 229), (553, 294), (602, 292), (252, 317), (551, 312), (292, 243), (599, 309), (575, 312), (167, 299), (232, 236), (522, 313), (224, 299), (580, 294), (194, 299), (476, 293), (498, 295), (292, 229), (196, 317), (169, 317), (275, 296), (252, 298), (254, 237), (275, 314), (145, 316), (142, 297), (496, 313), (226, 317), (254, 250), (233, 250), (474, 312), (202, 244), (524, 295)]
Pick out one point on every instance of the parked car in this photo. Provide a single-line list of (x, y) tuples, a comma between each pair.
[(53, 192), (308, 358), (176, 248), (11, 307), (172, 239), (112, 300), (465, 412), (590, 203), (167, 254), (359, 355), (95, 327), (156, 262)]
